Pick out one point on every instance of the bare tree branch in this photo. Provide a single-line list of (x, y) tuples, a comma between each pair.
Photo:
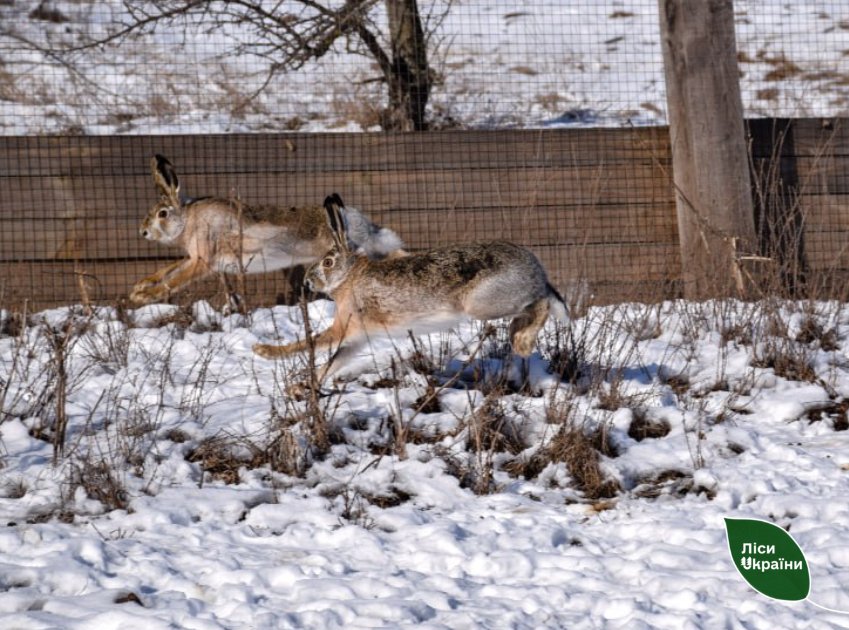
[(289, 34)]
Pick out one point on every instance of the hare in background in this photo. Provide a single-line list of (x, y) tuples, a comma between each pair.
[(430, 290), (226, 235)]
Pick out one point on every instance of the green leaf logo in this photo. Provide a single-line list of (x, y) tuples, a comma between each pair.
[(768, 558)]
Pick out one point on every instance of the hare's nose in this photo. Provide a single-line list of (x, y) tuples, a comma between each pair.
[(145, 233)]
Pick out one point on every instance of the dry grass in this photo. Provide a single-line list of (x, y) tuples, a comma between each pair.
[(573, 446), (221, 458), (101, 481), (645, 427), (578, 445), (670, 483), (491, 431)]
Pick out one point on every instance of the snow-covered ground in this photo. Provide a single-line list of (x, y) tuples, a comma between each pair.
[(188, 496), (531, 64)]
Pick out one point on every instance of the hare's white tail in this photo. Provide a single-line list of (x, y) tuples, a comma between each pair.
[(558, 306), (367, 238)]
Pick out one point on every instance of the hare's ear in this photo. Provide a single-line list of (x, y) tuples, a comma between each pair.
[(333, 204), (165, 178)]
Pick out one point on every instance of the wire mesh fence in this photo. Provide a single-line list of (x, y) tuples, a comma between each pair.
[(540, 122)]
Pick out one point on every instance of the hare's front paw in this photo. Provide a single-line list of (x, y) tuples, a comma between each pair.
[(267, 351), (146, 292)]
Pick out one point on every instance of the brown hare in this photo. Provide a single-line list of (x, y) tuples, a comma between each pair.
[(225, 235), (425, 291)]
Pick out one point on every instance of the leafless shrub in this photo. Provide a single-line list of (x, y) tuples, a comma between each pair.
[(811, 332), (221, 457), (25, 383), (428, 402), (612, 396), (287, 451), (355, 507), (287, 455), (13, 489), (316, 412), (491, 431), (787, 359), (196, 390), (736, 333), (643, 426), (424, 360), (100, 480), (59, 340), (673, 483), (573, 446), (181, 319), (579, 445), (107, 346), (464, 468), (589, 353)]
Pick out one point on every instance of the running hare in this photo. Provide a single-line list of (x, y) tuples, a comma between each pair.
[(225, 235), (428, 290)]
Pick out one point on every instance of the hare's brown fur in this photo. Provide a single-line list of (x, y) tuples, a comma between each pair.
[(229, 236), (483, 280)]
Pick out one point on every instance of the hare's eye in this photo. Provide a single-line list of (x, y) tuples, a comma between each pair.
[(327, 263), (162, 213)]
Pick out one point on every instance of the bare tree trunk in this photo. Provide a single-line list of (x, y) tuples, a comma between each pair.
[(409, 76), (709, 154)]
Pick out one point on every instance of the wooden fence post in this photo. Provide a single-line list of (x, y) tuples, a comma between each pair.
[(709, 156)]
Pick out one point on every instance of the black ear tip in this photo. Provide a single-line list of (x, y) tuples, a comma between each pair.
[(164, 166), (333, 200), (333, 205)]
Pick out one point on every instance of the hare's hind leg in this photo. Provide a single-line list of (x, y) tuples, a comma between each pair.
[(526, 325), (344, 337), (523, 335), (324, 339), (328, 338)]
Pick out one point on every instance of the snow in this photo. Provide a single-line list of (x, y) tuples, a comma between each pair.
[(535, 64), (369, 538)]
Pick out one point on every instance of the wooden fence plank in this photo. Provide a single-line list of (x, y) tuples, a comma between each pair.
[(824, 175), (825, 212), (117, 237), (305, 153), (540, 226), (110, 237), (372, 191), (815, 137), (107, 283), (827, 250)]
